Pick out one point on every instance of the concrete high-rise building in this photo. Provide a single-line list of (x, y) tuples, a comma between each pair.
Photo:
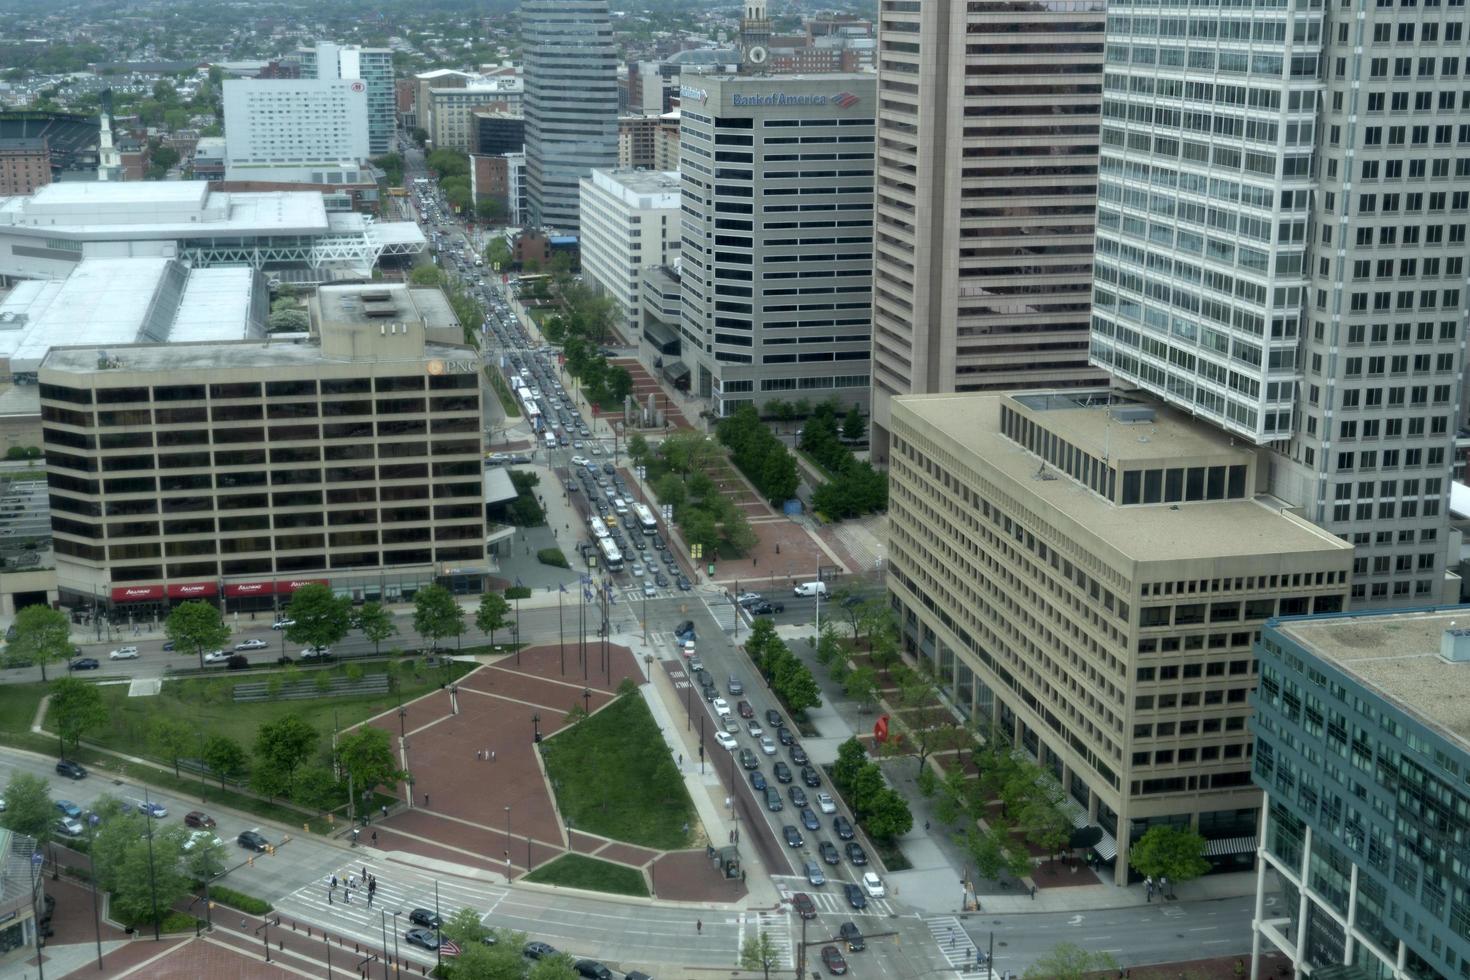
[(630, 220), (1365, 849), (372, 66), (987, 176), (1281, 251), (777, 254), (451, 120), (638, 142), (306, 130), (1086, 575), (571, 103)]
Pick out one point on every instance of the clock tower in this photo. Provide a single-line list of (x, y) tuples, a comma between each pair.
[(755, 36)]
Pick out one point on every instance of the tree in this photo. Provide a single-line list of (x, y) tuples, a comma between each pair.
[(170, 737), (930, 724), (862, 686), (288, 321), (637, 448), (490, 210), (281, 747), (851, 757), (1176, 853), (28, 807), (375, 622), (1068, 961), (436, 615), (954, 798), (195, 626), (498, 253), (853, 426), (889, 815), (759, 952), (866, 786), (321, 616), (426, 275), (797, 687), (145, 879), (420, 135), (206, 859), (225, 758), (670, 489), (42, 636), (1044, 825), (492, 614), (619, 383), (558, 967), (367, 757), (76, 707), (994, 853)]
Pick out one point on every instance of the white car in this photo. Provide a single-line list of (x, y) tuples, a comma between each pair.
[(726, 740), (596, 450), (69, 826), (873, 885), (768, 745), (316, 653), (124, 653), (202, 838), (636, 569), (721, 706), (649, 589), (826, 803), (281, 624), (256, 644), (216, 657), (580, 461)]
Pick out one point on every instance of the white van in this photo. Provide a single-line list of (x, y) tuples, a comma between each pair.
[(812, 588)]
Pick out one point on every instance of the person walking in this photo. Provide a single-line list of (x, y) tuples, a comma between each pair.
[(375, 838), (699, 926), (426, 801)]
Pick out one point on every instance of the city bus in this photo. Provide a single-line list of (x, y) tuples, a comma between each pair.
[(645, 518), (599, 529), (612, 558)]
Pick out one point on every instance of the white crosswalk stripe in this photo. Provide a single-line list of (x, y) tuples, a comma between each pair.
[(776, 925), (959, 951)]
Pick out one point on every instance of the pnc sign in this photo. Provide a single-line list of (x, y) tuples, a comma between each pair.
[(437, 366)]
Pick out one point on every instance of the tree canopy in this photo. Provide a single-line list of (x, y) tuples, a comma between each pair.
[(42, 637), (195, 627), (322, 617)]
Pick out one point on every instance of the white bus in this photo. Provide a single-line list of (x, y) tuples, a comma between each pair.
[(599, 529), (612, 558), (645, 518)]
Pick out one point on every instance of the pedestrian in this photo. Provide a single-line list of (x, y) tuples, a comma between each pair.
[(926, 826), (385, 809), (1033, 893), (364, 873), (681, 760), (334, 881), (375, 838), (478, 755), (492, 756), (426, 799), (699, 926), (329, 897), (346, 897)]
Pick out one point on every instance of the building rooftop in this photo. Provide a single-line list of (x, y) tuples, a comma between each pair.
[(22, 144), (1257, 528), (377, 303), (205, 357), (1115, 427), (640, 188), (1397, 654)]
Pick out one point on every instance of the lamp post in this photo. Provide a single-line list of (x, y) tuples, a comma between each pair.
[(586, 700), (383, 914), (152, 877), (536, 727), (507, 842), (395, 940)]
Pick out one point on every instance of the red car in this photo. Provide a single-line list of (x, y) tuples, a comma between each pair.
[(200, 819), (746, 711), (833, 961), (804, 905)]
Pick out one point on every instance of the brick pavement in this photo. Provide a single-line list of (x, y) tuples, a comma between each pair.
[(645, 384)]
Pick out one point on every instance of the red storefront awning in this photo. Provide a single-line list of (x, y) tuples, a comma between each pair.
[(239, 589), (136, 593), (286, 588), (192, 590)]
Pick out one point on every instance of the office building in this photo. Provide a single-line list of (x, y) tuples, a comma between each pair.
[(498, 178), (438, 78), (452, 124), (630, 220), (372, 66), (209, 158), (638, 138), (987, 176), (777, 250), (498, 132), (1362, 751), (25, 164), (660, 340), (1086, 574), (305, 131), (239, 471), (1281, 251), (571, 103)]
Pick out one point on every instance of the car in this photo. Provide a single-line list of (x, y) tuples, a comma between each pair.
[(784, 736), (767, 745), (709, 691), (805, 907), (69, 809), (730, 725), (809, 819), (792, 835), (783, 772), (696, 665), (797, 795), (764, 608), (572, 487), (609, 469), (596, 450), (856, 854), (855, 896), (150, 809), (425, 938), (84, 663), (843, 827), (685, 631), (281, 624), (828, 851), (758, 781), (252, 644), (853, 936), (168, 646), (662, 581), (124, 653), (202, 838), (755, 729), (726, 740), (813, 872), (580, 460), (425, 917), (592, 969), (684, 584), (773, 717), (748, 760), (253, 840), (70, 827), (746, 598), (538, 950), (649, 589), (833, 961), (744, 710), (637, 569), (318, 654), (825, 803), (198, 818), (810, 776), (735, 687), (774, 802), (873, 885), (70, 769), (217, 657)]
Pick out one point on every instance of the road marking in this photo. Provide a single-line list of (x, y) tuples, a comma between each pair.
[(1075, 920)]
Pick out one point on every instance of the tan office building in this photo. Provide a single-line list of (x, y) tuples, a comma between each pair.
[(987, 180), (1088, 578), (243, 470)]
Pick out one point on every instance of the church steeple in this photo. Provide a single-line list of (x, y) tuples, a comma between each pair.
[(755, 36)]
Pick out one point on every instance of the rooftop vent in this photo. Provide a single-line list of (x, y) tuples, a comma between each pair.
[(374, 295), (1133, 414), (1454, 646)]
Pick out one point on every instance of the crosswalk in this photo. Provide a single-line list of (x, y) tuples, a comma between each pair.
[(959, 950), (776, 925), (829, 898)]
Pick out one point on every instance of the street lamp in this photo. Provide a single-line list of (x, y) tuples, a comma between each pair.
[(536, 727), (587, 700), (507, 842)]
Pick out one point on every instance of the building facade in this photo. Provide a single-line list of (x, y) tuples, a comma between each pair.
[(296, 131), (777, 250), (1362, 751), (638, 138), (499, 132), (25, 164), (630, 220), (372, 66), (242, 470), (1086, 575), (452, 123), (987, 177), (1281, 250), (571, 103)]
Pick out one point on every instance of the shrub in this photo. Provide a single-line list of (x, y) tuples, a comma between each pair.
[(248, 904), (552, 556), (518, 592)]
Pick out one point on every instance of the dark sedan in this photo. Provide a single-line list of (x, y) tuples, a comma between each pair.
[(425, 917), (833, 961), (252, 841), (810, 776), (855, 896), (799, 756), (792, 835), (843, 827), (773, 717), (538, 950), (422, 937), (828, 850), (856, 854), (84, 663), (809, 819), (784, 736), (783, 772), (758, 781)]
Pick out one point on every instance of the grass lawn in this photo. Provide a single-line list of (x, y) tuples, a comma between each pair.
[(18, 705), (503, 392), (615, 777), (580, 871)]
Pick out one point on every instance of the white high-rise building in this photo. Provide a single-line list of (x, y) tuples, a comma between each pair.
[(630, 220), (306, 130), (374, 67)]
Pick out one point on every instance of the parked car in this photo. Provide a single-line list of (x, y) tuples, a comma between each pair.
[(151, 809), (855, 896), (124, 653), (70, 769), (537, 950), (198, 818), (873, 885), (202, 838), (592, 969), (764, 608), (69, 827), (69, 809), (253, 841), (843, 827), (804, 905), (832, 959)]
